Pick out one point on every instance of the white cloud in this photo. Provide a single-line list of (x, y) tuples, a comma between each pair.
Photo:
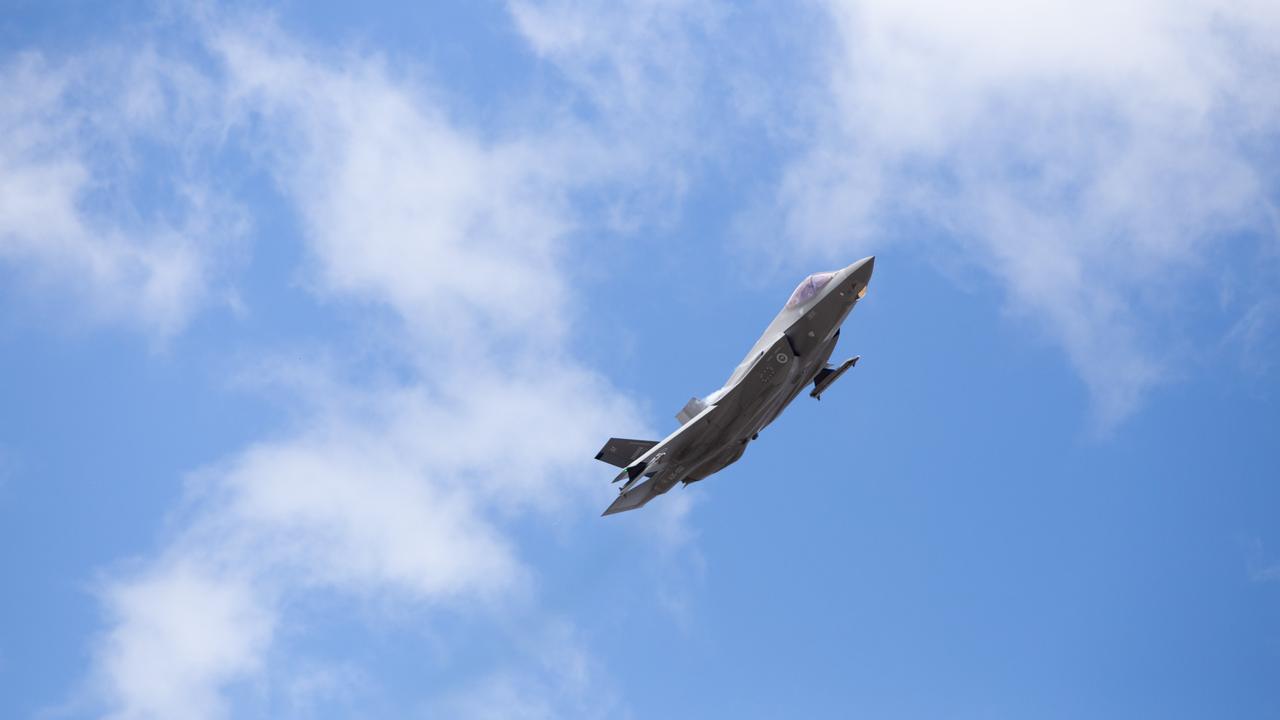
[(1254, 336), (636, 62), (651, 86), (457, 234), (562, 681), (1092, 156), (404, 489), (69, 225), (179, 633), (401, 490), (353, 509)]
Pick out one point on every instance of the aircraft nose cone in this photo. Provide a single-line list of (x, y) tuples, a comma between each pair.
[(861, 270)]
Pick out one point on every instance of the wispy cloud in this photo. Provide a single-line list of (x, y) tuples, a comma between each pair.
[(73, 231), (179, 633), (1093, 157), (1089, 165), (1266, 574), (1261, 569), (563, 680), (666, 88), (395, 491), (1254, 336)]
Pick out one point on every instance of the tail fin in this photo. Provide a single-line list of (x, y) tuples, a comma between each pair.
[(690, 410), (621, 452)]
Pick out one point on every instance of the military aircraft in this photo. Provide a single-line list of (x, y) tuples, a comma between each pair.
[(714, 431)]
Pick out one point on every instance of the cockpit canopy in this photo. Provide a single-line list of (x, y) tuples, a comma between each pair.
[(809, 288)]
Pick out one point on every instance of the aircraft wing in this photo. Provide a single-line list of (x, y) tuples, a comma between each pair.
[(632, 498), (663, 462)]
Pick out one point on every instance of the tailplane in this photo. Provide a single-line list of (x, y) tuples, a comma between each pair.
[(621, 452), (634, 498)]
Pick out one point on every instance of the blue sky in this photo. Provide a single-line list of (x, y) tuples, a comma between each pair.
[(313, 317)]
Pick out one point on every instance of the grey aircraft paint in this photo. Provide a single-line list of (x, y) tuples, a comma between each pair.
[(714, 431)]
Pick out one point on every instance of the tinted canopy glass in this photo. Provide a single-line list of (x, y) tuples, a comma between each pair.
[(809, 288)]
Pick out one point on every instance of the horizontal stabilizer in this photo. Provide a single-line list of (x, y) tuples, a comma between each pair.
[(620, 452), (632, 499)]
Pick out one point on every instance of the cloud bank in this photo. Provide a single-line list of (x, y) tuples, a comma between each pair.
[(405, 489), (1094, 158), (70, 217)]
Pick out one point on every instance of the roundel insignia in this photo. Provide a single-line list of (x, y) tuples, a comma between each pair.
[(783, 358)]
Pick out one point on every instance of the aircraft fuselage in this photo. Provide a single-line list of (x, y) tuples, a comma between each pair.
[(790, 354)]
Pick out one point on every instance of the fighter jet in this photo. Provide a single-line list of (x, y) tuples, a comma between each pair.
[(714, 431)]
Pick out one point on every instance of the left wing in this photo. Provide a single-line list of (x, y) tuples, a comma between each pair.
[(769, 371), (634, 498)]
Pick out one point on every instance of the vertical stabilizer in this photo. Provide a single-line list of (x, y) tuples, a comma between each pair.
[(690, 410)]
